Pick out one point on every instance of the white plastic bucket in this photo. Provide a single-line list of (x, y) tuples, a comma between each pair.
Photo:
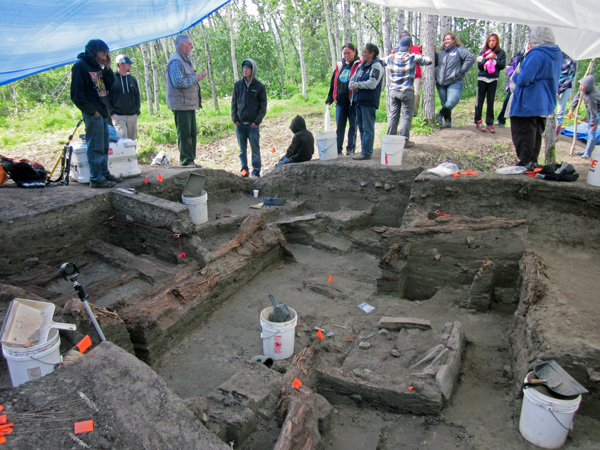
[(278, 338), (392, 147), (593, 177), (197, 207), (546, 421), (28, 364), (327, 144)]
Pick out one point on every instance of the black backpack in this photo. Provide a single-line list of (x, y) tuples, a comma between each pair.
[(558, 172)]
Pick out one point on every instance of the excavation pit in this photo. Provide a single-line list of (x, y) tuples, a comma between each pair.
[(376, 231)]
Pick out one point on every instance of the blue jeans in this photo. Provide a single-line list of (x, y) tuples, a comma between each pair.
[(561, 105), (365, 118), (96, 139), (449, 97), (282, 161), (244, 134), (591, 140), (343, 114)]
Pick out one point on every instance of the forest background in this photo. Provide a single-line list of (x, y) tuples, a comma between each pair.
[(295, 45)]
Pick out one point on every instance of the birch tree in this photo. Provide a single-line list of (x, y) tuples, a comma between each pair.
[(281, 65), (400, 24), (332, 47), (302, 62), (359, 36), (428, 34), (385, 30), (209, 67), (147, 79), (154, 77), (445, 26), (347, 26), (336, 28), (236, 73)]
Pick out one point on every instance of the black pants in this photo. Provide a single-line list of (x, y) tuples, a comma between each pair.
[(527, 137), (501, 116), (485, 90)]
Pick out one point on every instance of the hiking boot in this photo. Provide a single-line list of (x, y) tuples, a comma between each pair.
[(480, 126), (438, 118), (111, 177), (491, 129), (361, 157), (409, 144), (446, 124), (102, 184)]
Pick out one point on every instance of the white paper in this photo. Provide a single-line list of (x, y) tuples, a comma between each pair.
[(366, 307)]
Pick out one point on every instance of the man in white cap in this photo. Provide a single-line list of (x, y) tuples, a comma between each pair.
[(125, 99)]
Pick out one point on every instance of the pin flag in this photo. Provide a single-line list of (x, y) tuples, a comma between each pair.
[(410, 388), (84, 344), (244, 172), (2, 419), (273, 151), (2, 439), (159, 177), (330, 279), (320, 334), (297, 383), (146, 180), (84, 427)]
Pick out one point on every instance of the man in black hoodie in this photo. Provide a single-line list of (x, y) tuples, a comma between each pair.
[(91, 76), (303, 144), (248, 109), (125, 99)]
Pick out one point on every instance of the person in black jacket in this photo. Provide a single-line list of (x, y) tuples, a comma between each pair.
[(303, 144), (125, 99), (491, 61), (91, 77), (339, 93), (248, 109)]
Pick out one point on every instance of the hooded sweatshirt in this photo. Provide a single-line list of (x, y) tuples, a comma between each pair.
[(125, 96), (90, 84), (536, 84), (591, 97), (303, 143), (249, 99)]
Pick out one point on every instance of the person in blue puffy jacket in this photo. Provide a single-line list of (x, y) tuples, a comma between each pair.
[(534, 97)]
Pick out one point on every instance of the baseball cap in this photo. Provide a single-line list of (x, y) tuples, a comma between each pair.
[(123, 59), (405, 44)]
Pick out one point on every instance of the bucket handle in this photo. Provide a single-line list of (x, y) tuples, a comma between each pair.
[(273, 335), (325, 149)]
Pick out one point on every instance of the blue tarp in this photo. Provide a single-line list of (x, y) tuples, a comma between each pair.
[(582, 132), (37, 35)]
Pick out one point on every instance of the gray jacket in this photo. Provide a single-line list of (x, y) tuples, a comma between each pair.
[(591, 97), (452, 64)]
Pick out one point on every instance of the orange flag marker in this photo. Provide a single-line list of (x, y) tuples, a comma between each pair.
[(6, 431), (330, 279), (2, 439), (273, 151), (320, 334), (84, 427), (244, 172), (297, 383), (2, 419), (84, 344), (410, 388), (146, 180), (159, 177)]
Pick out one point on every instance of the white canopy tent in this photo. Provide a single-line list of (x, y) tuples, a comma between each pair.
[(576, 23)]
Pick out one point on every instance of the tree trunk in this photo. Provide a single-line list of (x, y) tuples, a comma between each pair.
[(154, 77), (280, 43), (400, 25), (515, 38), (486, 31), (147, 79), (336, 28), (385, 29), (445, 26), (428, 35), (14, 97), (359, 35), (281, 65), (209, 67), (409, 21), (347, 26), (550, 140), (236, 73), (332, 49), (302, 62)]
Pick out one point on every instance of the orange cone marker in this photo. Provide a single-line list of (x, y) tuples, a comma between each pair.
[(297, 383), (330, 279)]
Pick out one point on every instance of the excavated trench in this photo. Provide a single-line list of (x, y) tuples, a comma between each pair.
[(473, 280)]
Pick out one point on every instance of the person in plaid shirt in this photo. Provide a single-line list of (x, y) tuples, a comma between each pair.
[(402, 66)]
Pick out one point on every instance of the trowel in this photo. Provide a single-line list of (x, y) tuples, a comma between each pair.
[(280, 313)]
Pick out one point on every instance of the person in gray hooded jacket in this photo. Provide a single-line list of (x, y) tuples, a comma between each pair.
[(248, 109), (591, 97), (452, 62)]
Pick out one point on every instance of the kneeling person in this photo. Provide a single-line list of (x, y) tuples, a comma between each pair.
[(303, 144)]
